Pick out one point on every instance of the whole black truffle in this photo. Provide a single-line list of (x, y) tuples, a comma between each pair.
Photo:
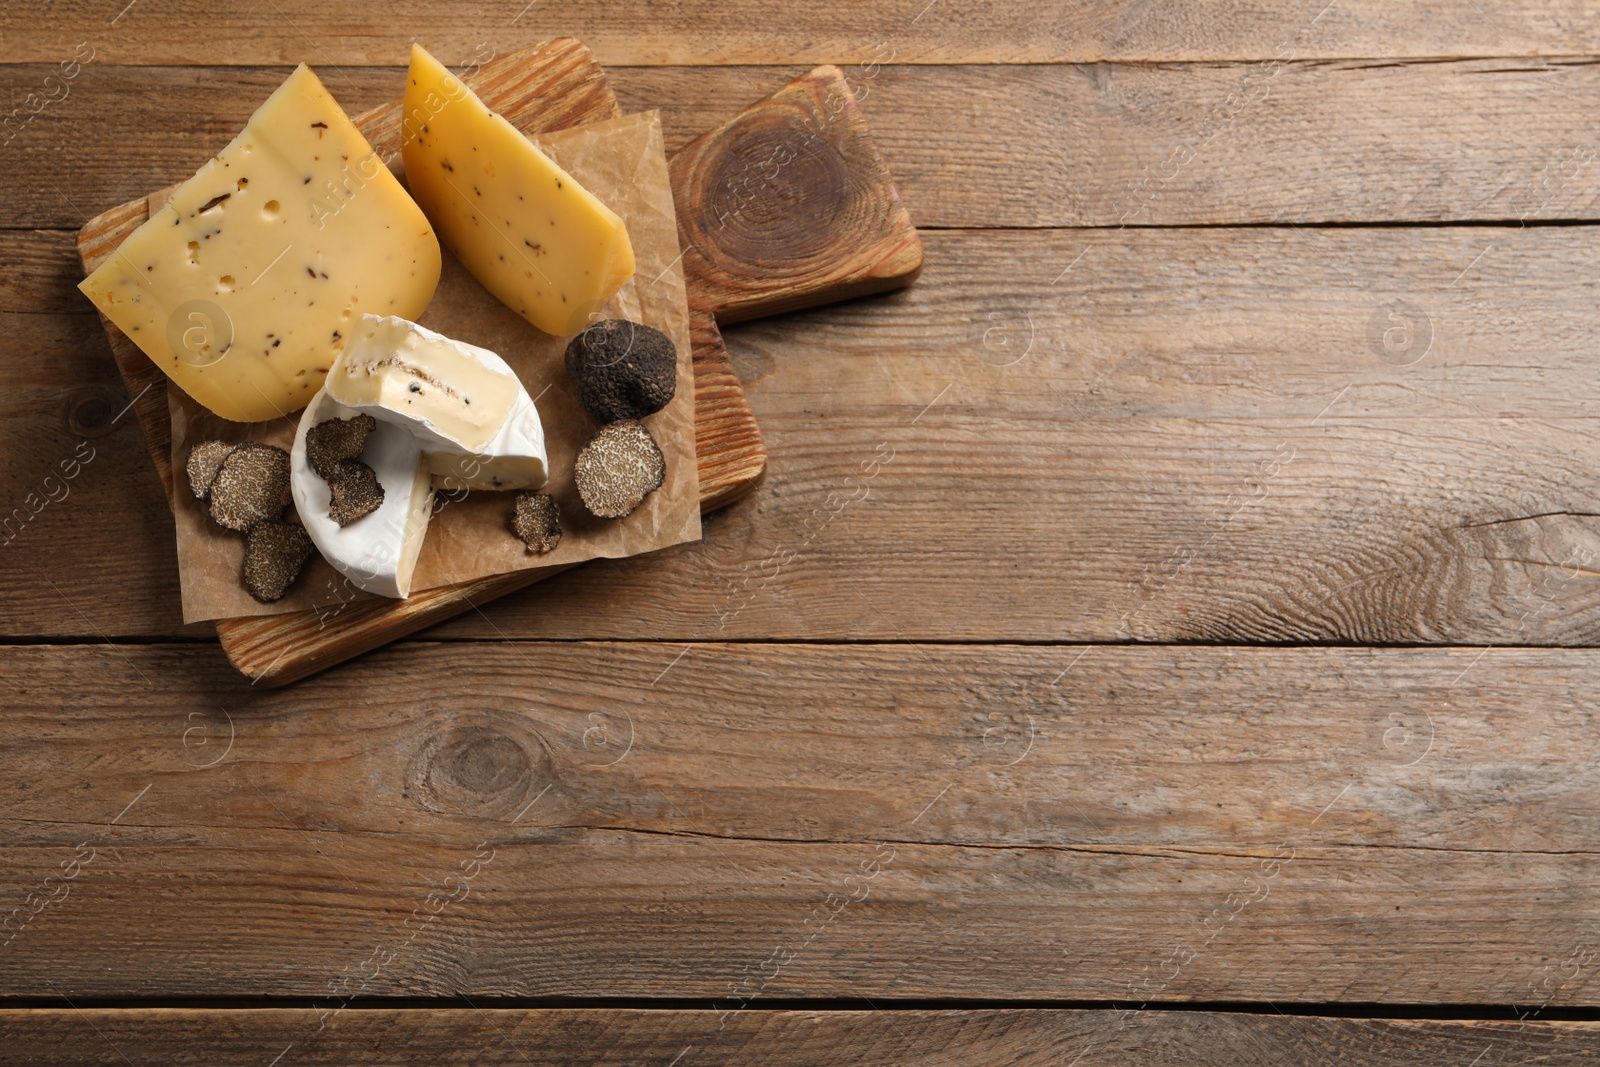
[(622, 370)]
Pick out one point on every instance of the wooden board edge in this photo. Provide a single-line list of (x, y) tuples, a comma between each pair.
[(732, 452)]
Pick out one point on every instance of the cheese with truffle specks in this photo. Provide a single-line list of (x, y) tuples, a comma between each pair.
[(535, 238), (476, 424), (451, 393), (515, 459), (244, 285)]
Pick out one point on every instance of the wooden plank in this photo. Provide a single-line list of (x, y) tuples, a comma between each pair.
[(748, 31), (744, 821), (1165, 371), (536, 1037), (39, 273), (1101, 145)]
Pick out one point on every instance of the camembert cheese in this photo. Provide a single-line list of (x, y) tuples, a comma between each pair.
[(455, 394), (477, 426), (536, 239), (244, 286)]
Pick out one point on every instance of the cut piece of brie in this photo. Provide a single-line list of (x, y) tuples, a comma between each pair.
[(515, 459), (464, 404), (447, 392), (377, 552), (449, 415)]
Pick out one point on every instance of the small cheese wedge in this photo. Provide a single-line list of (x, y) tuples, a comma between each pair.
[(535, 238), (515, 459), (448, 392), (244, 284), (378, 552), (476, 424)]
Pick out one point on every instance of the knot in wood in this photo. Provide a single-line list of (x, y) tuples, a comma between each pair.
[(92, 411), (482, 766)]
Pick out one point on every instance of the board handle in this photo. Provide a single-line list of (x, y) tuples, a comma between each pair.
[(788, 205)]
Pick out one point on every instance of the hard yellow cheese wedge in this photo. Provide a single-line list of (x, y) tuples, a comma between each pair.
[(536, 239), (244, 285)]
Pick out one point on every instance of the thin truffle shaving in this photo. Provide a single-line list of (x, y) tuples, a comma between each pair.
[(354, 492), (274, 555), (329, 442), (205, 460), (252, 486), (618, 468), (537, 520)]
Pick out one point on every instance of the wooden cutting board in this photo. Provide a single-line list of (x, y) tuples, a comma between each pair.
[(786, 205)]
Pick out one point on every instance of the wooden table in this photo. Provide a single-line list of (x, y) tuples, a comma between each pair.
[(1164, 632)]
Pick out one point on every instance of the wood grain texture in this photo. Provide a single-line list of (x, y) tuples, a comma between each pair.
[(745, 821), (1062, 440), (733, 456), (551, 1037), (1100, 144), (788, 205), (750, 31)]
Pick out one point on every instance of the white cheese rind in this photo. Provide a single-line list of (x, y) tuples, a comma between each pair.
[(243, 285), (377, 552)]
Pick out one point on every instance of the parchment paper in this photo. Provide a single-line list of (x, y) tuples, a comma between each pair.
[(621, 161)]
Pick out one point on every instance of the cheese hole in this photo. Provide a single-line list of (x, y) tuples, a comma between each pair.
[(225, 283), (194, 252), (269, 210), (242, 183)]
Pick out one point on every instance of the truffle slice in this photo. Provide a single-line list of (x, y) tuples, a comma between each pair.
[(252, 486), (618, 468), (622, 370), (354, 491), (205, 460), (537, 521), (329, 442), (274, 554)]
